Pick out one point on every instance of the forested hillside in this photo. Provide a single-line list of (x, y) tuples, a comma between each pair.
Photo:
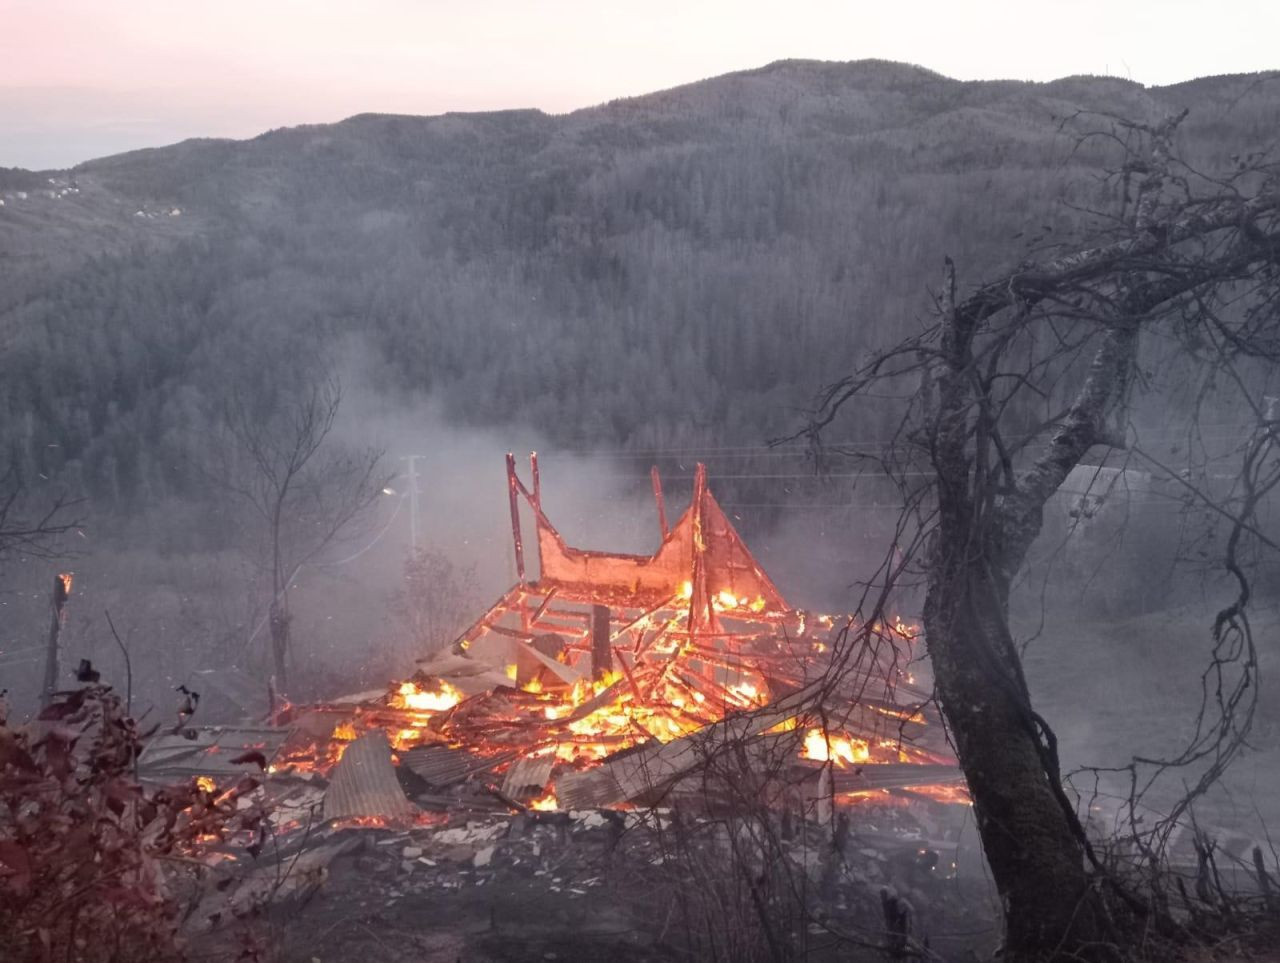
[(677, 270), (681, 268)]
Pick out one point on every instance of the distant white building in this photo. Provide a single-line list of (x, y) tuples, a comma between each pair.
[(1092, 490)]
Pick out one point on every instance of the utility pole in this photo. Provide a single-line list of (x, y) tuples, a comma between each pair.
[(413, 501)]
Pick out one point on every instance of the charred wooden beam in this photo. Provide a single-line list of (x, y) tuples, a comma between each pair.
[(657, 497), (512, 482), (601, 647), (508, 597), (542, 606), (631, 679), (57, 604), (652, 770)]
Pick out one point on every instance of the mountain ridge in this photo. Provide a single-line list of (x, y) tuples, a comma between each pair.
[(772, 69), (733, 243)]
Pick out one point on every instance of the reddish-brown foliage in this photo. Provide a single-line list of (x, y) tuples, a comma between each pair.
[(85, 849)]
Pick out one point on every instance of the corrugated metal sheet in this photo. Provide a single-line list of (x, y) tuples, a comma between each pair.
[(588, 790), (528, 777), (364, 783), (442, 766), (208, 753)]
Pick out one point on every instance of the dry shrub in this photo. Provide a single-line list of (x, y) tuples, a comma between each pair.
[(85, 849)]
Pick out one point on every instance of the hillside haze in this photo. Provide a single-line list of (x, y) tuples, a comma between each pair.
[(683, 268)]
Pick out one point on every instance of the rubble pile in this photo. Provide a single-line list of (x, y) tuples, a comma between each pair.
[(597, 698), (554, 879)]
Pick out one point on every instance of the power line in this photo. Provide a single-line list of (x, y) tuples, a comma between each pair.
[(818, 476), (28, 660), (868, 474), (377, 538), (850, 506), (343, 561), (9, 653), (836, 448)]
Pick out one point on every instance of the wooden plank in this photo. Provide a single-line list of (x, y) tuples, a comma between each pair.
[(566, 674), (601, 649), (651, 770)]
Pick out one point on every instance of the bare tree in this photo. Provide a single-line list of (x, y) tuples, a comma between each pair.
[(32, 531), (435, 601), (1007, 391), (305, 490)]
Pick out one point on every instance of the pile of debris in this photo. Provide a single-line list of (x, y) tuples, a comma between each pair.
[(594, 884), (612, 680)]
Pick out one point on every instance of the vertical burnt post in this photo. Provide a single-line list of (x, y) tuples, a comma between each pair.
[(601, 648), (657, 497), (700, 613), (703, 624), (58, 602), (515, 515), (537, 480)]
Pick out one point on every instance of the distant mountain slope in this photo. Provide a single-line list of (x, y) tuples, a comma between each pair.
[(667, 269)]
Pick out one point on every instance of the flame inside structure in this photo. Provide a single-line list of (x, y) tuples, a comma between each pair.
[(689, 636), (410, 696), (827, 747)]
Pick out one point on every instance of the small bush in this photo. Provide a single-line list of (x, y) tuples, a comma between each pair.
[(85, 849)]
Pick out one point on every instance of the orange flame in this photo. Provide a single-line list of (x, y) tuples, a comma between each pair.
[(345, 731), (826, 747), (410, 696)]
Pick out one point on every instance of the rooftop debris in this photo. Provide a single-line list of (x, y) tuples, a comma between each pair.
[(208, 751), (442, 766), (613, 680), (363, 784)]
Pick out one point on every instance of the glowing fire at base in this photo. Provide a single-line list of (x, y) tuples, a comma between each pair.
[(825, 747), (410, 696)]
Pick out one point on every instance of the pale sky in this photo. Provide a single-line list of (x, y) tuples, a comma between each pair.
[(84, 78)]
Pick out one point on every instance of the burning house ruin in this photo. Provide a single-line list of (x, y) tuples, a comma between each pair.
[(614, 681)]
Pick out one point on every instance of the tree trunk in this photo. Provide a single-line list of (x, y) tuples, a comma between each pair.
[(1035, 858), (279, 619)]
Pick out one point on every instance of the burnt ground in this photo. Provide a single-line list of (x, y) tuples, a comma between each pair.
[(607, 886), (617, 887)]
